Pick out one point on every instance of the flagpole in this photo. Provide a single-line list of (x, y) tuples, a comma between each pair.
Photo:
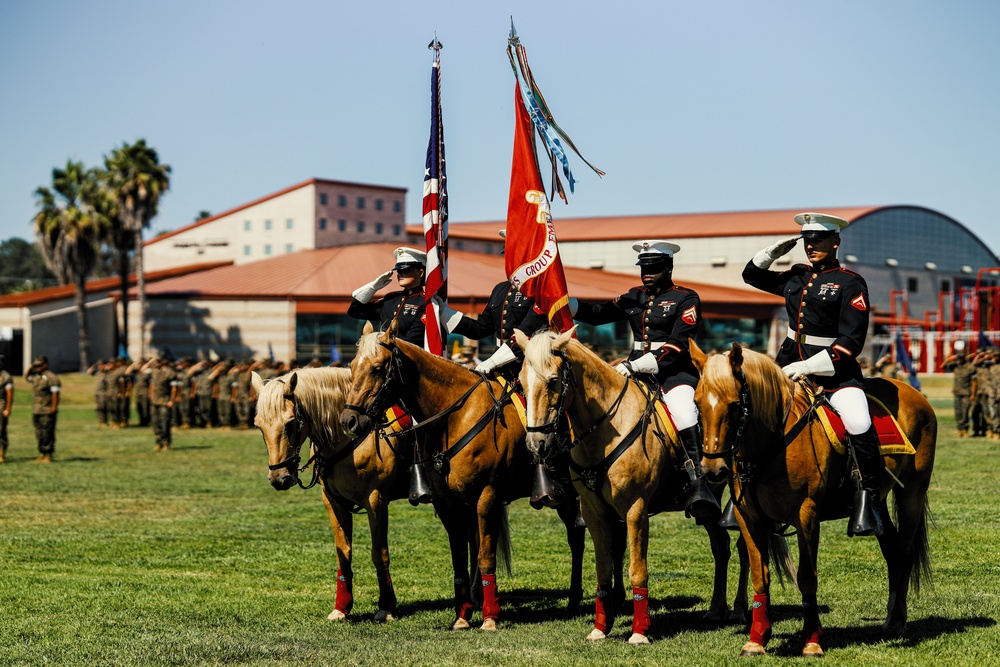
[(435, 215)]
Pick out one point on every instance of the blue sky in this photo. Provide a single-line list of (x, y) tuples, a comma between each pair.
[(688, 106)]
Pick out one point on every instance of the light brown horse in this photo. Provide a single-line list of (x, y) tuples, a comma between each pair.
[(355, 473), (624, 457), (761, 433), (470, 428)]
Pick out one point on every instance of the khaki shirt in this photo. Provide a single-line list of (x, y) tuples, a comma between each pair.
[(161, 382), (43, 386)]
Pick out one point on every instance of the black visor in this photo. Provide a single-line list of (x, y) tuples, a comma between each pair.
[(813, 235), (403, 266)]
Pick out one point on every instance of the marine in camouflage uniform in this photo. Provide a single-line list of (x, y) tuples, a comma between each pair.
[(202, 383), (243, 394), (6, 404), (163, 394), (118, 408), (979, 408), (963, 375), (139, 372), (993, 398), (45, 387), (100, 372)]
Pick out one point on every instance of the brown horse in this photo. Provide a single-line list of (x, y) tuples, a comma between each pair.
[(360, 473), (469, 426), (762, 433), (625, 459)]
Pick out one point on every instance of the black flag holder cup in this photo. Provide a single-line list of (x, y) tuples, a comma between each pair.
[(545, 491), (420, 488), (728, 518)]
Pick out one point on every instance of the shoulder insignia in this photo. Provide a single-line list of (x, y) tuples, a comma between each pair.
[(690, 315), (859, 302)]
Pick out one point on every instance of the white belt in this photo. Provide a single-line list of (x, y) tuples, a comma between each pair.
[(646, 347), (802, 339)]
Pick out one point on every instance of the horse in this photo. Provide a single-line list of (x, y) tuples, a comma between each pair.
[(625, 459), (764, 434), (363, 472), (470, 427)]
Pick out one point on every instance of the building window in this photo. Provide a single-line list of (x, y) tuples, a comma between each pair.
[(361, 227), (322, 223), (246, 250), (911, 285), (397, 206), (361, 202), (341, 201), (288, 247), (267, 224), (378, 228), (289, 223), (378, 204), (322, 199), (397, 230), (342, 225), (267, 248), (945, 285), (246, 225)]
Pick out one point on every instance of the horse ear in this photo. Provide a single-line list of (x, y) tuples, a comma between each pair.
[(392, 331), (697, 356), (367, 328), (292, 381), (257, 382), (521, 338), (564, 337), (736, 357)]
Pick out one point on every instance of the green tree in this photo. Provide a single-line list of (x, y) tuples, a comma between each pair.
[(136, 180), (68, 231), (23, 267)]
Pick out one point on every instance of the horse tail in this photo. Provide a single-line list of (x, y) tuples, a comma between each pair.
[(920, 547), (781, 557), (504, 557)]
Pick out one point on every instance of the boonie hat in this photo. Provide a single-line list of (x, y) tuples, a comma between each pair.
[(818, 225), (654, 251), (407, 257)]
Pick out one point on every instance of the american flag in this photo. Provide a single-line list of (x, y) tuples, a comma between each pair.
[(435, 214)]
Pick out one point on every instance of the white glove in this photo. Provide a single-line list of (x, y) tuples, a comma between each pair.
[(449, 316), (766, 257), (818, 364), (644, 364), (503, 355), (365, 293)]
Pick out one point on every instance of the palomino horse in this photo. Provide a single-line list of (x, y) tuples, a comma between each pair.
[(355, 473), (470, 425), (785, 469), (625, 459)]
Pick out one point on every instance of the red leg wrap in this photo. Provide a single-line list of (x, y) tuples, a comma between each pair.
[(640, 613), (602, 620), (811, 628), (345, 597), (463, 599), (491, 600), (760, 629)]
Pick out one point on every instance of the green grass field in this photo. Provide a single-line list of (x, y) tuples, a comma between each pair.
[(116, 555)]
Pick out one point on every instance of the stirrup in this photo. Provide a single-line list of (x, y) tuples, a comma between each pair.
[(700, 502), (420, 489), (728, 518), (865, 519), (545, 491)]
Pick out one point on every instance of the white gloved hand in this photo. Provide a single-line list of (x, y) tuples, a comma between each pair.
[(644, 364), (503, 355), (766, 257), (365, 293), (449, 315), (818, 364)]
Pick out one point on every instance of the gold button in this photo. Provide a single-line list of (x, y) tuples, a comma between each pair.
[(801, 325), (809, 285), (814, 276)]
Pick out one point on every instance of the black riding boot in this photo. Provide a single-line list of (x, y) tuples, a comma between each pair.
[(699, 502), (865, 518)]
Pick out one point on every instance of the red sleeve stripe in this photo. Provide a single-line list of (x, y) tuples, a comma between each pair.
[(844, 350)]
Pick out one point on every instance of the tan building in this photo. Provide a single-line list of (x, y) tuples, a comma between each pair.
[(313, 214)]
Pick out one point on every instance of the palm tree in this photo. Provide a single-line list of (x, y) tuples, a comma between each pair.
[(136, 180), (68, 231)]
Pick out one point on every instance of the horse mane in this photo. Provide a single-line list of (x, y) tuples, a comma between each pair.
[(768, 385), (538, 353), (368, 345), (321, 392)]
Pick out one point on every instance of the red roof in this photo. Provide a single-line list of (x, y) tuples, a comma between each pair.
[(673, 226)]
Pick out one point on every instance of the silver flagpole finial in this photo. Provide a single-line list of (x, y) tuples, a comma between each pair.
[(435, 44)]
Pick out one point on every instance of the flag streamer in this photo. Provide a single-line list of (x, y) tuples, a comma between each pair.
[(435, 215)]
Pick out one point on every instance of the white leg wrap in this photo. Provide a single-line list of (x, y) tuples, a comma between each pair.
[(680, 403), (852, 406)]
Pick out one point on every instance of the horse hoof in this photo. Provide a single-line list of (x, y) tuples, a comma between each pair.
[(382, 616), (489, 624), (460, 624), (716, 615), (752, 648), (895, 628), (812, 650), (336, 615), (638, 640), (596, 635)]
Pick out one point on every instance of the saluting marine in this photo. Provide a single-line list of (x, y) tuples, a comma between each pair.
[(828, 312), (406, 306)]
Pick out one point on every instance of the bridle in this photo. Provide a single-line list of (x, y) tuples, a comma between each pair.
[(391, 373), (294, 428)]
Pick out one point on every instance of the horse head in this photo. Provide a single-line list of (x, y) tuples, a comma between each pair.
[(372, 370), (718, 397), (284, 427), (545, 377)]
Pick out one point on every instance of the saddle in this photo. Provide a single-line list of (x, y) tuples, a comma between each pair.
[(891, 438)]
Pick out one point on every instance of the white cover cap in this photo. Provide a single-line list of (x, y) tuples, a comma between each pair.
[(820, 222), (655, 250), (406, 256)]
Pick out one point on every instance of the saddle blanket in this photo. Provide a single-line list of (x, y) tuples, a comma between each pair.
[(890, 436)]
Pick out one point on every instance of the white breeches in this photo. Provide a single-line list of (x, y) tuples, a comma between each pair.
[(852, 406), (680, 403)]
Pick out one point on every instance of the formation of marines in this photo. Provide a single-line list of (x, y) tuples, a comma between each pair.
[(976, 392)]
